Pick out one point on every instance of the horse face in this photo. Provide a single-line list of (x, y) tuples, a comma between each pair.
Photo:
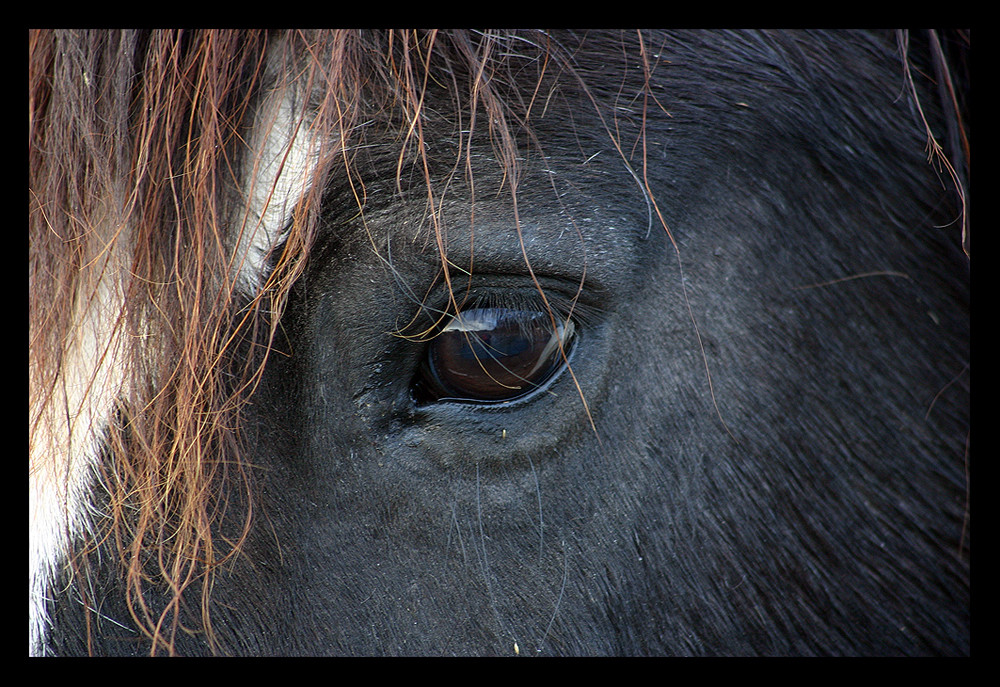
[(685, 390)]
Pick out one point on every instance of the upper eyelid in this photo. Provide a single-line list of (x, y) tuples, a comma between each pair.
[(561, 308), (565, 299)]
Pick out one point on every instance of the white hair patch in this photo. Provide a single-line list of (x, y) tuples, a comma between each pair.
[(63, 450), (285, 153)]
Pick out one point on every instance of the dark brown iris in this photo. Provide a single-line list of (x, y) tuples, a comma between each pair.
[(495, 354)]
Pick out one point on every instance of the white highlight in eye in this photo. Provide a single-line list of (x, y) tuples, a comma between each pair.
[(473, 321)]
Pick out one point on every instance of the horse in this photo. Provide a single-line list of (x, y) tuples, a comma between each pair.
[(497, 343)]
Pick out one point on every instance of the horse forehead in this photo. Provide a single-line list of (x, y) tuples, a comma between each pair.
[(587, 235), (562, 211)]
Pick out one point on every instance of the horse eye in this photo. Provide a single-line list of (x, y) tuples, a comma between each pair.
[(494, 354)]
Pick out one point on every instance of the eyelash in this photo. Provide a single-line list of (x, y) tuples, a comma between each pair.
[(561, 307)]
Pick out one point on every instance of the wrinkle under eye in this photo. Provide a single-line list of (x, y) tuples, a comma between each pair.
[(491, 355)]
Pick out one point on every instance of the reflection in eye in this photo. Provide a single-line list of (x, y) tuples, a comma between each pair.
[(493, 355)]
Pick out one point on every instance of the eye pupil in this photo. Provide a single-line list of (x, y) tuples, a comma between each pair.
[(494, 354)]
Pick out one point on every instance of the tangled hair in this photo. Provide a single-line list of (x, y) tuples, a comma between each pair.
[(175, 182)]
